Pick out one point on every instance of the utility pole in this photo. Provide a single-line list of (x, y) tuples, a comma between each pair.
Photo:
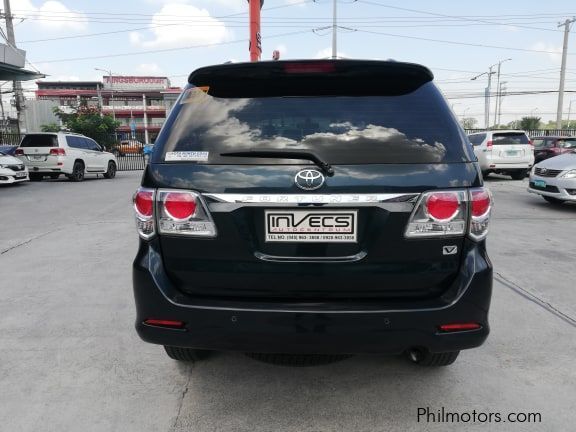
[(255, 46), (334, 30), (567, 24), (486, 95), (498, 88), (18, 96), (501, 89)]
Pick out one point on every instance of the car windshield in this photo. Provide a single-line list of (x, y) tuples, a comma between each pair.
[(407, 128)]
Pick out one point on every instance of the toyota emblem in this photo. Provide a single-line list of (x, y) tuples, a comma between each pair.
[(309, 179)]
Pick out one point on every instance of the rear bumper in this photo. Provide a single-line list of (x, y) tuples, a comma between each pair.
[(313, 328)]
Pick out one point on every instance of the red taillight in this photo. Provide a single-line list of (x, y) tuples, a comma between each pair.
[(321, 67), (480, 202), (442, 206), (165, 323), (180, 206), (489, 144), (57, 152), (459, 327), (144, 202), (19, 152)]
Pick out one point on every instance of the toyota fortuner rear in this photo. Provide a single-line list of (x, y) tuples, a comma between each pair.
[(313, 207)]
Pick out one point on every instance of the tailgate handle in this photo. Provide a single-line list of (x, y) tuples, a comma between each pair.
[(303, 259)]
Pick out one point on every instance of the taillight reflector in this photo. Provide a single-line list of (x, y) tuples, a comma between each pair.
[(442, 206), (165, 323), (180, 206), (19, 152), (57, 152), (480, 202), (459, 327), (489, 144), (143, 202)]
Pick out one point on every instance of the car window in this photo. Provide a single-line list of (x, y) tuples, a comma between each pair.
[(39, 140), (95, 145), (75, 142), (407, 128), (504, 138), (538, 142), (567, 143), (90, 144), (476, 139)]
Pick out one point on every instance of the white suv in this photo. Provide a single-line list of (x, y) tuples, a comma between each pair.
[(52, 154), (504, 152)]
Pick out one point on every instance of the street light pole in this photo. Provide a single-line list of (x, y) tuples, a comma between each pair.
[(109, 72), (501, 88), (498, 88), (486, 95), (567, 24)]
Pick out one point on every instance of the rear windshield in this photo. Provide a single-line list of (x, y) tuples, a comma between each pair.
[(408, 128), (510, 138), (39, 141)]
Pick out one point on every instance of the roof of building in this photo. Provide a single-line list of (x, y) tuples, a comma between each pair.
[(14, 73)]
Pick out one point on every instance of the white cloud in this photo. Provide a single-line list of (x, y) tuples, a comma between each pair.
[(50, 15), (149, 69), (555, 51), (204, 29), (327, 53)]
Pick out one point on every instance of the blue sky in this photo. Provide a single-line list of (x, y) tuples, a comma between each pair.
[(67, 39)]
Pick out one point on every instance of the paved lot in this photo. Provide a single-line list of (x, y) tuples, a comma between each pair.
[(70, 360)]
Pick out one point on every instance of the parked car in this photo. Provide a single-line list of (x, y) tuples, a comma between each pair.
[(12, 170), (555, 179), (8, 149), (363, 233), (126, 147), (508, 152), (550, 146), (54, 153)]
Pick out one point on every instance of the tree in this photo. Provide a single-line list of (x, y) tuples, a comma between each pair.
[(50, 127), (530, 123), (89, 121), (469, 122)]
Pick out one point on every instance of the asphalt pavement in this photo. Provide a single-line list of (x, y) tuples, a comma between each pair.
[(70, 359)]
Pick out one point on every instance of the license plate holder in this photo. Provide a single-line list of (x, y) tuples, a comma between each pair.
[(311, 226), (20, 174), (540, 183), (512, 153), (37, 158)]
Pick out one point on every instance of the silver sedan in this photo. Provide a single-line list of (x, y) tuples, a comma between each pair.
[(555, 179)]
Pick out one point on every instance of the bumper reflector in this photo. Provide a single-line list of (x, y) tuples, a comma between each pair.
[(459, 327), (165, 323)]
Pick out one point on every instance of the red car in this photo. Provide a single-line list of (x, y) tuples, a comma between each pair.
[(550, 146)]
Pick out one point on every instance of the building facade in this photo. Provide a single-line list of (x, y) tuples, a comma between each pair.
[(139, 103)]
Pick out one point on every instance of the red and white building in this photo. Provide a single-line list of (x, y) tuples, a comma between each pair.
[(139, 103)]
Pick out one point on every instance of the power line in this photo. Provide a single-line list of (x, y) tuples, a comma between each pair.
[(133, 53), (458, 43)]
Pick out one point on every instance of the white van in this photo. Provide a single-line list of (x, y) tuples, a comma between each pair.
[(507, 152)]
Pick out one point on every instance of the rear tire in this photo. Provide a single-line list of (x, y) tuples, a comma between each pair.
[(35, 177), (297, 360), (519, 175), (186, 354), (553, 200), (77, 172), (111, 172), (427, 358)]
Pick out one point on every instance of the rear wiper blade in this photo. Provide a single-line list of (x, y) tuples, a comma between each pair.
[(284, 154)]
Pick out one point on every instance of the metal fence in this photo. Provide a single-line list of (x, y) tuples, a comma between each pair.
[(534, 132)]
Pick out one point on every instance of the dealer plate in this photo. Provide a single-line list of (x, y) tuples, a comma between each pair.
[(311, 226)]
